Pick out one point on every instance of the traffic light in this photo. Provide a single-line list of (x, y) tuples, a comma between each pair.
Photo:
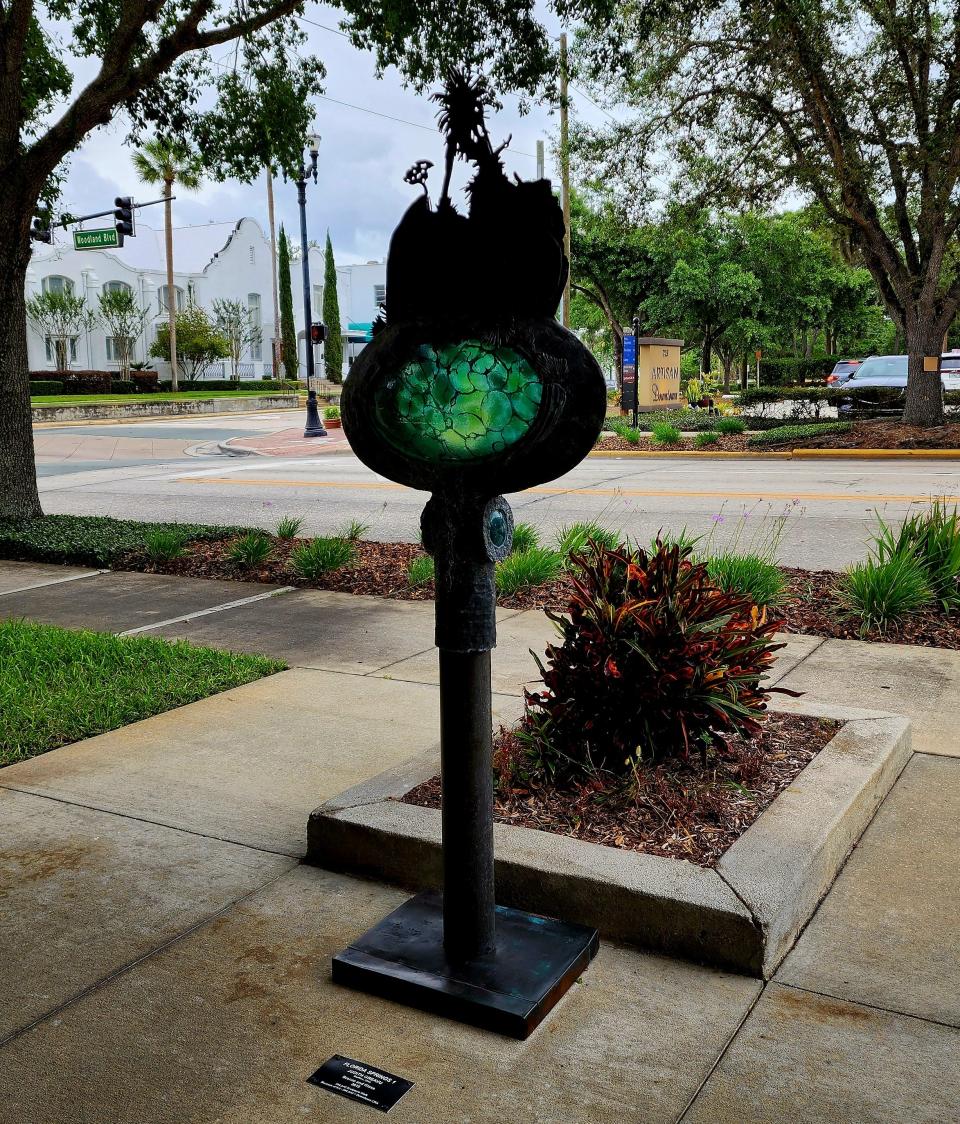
[(318, 333), (40, 233), (124, 216)]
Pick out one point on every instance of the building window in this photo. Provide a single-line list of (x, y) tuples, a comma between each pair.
[(115, 349), (379, 295), (162, 298), (117, 287), (60, 343), (256, 321), (61, 285), (253, 256), (317, 301)]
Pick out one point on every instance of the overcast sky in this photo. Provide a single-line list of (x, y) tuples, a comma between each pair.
[(360, 194)]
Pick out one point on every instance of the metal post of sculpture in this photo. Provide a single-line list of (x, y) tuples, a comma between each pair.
[(471, 388)]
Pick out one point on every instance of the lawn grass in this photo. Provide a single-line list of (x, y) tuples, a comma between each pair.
[(92, 540), (59, 685), (159, 396)]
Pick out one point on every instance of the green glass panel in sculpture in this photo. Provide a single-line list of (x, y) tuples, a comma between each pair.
[(460, 402)]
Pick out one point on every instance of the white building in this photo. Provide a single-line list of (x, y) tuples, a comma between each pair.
[(218, 261)]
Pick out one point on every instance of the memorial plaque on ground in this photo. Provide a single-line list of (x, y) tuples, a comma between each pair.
[(359, 1082)]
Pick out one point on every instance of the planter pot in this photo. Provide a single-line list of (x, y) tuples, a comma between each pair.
[(332, 423), (744, 915)]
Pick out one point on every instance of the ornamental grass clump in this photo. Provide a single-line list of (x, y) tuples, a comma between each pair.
[(164, 546), (251, 549), (322, 555), (420, 571), (665, 434), (932, 536), (883, 592), (729, 425), (655, 661), (525, 537), (526, 569)]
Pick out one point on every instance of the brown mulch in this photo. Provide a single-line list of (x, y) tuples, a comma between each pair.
[(727, 443), (676, 809), (885, 434), (812, 604)]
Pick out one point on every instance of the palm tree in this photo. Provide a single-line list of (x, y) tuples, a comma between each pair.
[(168, 161)]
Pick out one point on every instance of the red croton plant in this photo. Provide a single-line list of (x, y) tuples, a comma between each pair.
[(655, 661)]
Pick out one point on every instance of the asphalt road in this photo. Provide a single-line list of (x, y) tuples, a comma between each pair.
[(172, 470)]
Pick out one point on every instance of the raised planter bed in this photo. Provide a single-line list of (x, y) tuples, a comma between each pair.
[(164, 408), (744, 915)]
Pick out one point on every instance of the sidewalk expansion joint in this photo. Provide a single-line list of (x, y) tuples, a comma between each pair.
[(295, 855), (713, 1069), (870, 1006), (208, 612), (53, 581), (123, 969)]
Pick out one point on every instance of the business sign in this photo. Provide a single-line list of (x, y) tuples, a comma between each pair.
[(628, 395), (658, 374), (95, 239)]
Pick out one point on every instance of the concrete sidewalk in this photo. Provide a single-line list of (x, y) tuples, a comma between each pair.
[(166, 957)]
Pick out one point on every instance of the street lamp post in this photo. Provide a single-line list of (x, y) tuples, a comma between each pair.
[(314, 426)]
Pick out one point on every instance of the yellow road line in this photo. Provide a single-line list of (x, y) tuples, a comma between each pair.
[(378, 485)]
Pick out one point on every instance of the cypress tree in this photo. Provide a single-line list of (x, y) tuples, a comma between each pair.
[(288, 328), (333, 344)]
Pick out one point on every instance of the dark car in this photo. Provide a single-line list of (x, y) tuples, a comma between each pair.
[(842, 371), (889, 372)]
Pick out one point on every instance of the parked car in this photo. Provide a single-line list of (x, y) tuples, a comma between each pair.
[(842, 371), (890, 372)]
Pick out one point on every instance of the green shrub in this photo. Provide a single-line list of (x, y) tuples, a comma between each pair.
[(708, 438), (123, 386), (250, 549), (748, 574), (353, 531), (45, 386), (322, 555), (785, 433), (288, 527), (527, 569), (654, 661), (574, 537), (525, 537), (164, 546), (932, 536), (682, 538), (665, 434), (92, 540), (691, 420), (331, 413), (420, 571), (729, 425), (883, 592)]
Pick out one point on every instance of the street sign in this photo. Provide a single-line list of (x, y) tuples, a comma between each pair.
[(628, 393), (658, 373), (95, 239)]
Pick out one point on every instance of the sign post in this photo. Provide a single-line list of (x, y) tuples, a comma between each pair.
[(628, 389), (96, 239)]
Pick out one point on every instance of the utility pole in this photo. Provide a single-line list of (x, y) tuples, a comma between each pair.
[(539, 159), (565, 174)]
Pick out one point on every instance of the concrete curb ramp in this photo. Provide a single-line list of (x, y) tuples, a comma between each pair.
[(743, 916)]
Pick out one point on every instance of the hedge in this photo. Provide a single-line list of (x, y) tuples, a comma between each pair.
[(256, 385), (91, 540), (45, 386), (124, 386), (784, 433), (77, 382)]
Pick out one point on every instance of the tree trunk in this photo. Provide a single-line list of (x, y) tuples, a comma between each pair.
[(618, 354), (171, 293), (744, 371), (727, 370), (19, 498), (924, 403), (706, 356)]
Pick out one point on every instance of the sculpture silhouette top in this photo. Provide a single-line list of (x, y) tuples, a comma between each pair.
[(504, 259), (470, 387)]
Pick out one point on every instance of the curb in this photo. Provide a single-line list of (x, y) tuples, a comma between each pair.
[(742, 916), (790, 454)]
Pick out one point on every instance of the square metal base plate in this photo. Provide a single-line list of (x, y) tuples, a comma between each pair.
[(511, 991)]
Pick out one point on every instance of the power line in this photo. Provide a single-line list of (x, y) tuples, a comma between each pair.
[(323, 27)]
